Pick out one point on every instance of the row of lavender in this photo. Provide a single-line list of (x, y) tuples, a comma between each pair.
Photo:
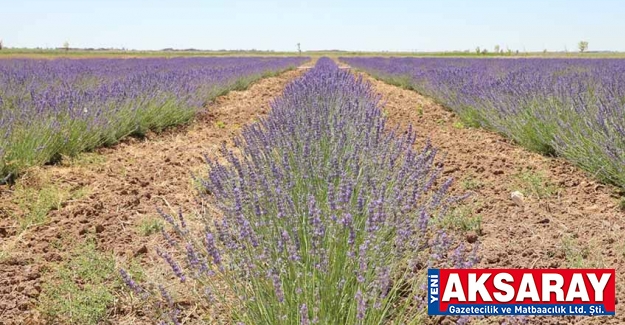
[(569, 107), (324, 216), (61, 107)]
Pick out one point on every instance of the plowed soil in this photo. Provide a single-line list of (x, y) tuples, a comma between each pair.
[(124, 184), (565, 220)]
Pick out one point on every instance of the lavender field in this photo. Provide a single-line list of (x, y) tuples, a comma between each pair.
[(50, 108), (326, 216), (574, 108)]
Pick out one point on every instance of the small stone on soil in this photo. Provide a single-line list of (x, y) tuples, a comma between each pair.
[(517, 197), (492, 260), (142, 250), (471, 237)]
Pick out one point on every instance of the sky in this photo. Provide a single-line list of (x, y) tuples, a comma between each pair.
[(363, 25)]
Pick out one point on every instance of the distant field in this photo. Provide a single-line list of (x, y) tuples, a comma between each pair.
[(63, 107), (570, 108), (81, 53)]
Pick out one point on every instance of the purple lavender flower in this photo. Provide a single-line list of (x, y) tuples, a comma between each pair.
[(166, 296), (174, 266), (212, 249), (130, 282), (361, 305), (322, 185), (303, 311), (277, 286)]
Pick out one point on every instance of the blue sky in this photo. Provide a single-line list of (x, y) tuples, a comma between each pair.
[(394, 25)]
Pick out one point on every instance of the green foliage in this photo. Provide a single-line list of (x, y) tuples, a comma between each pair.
[(220, 124), (149, 226), (88, 159), (530, 131), (580, 255), (472, 118), (404, 82), (582, 46), (36, 203), (471, 183), (535, 183), (621, 204), (461, 218), (80, 291)]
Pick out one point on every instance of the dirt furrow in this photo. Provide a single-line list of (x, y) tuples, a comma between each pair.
[(110, 196), (564, 219)]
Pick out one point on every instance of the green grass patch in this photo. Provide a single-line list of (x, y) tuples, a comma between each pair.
[(471, 183), (472, 118), (534, 183), (581, 256), (37, 203), (149, 226), (80, 291), (420, 111), (88, 159), (462, 219)]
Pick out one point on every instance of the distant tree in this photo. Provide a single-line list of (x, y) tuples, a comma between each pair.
[(66, 46), (299, 48), (509, 52), (583, 46), (477, 50), (484, 51), (497, 48), (545, 51), (0, 45)]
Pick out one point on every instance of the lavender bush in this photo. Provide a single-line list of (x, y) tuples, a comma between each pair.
[(574, 108), (62, 107), (322, 217)]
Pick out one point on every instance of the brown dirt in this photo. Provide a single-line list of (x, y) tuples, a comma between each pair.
[(579, 225), (125, 185)]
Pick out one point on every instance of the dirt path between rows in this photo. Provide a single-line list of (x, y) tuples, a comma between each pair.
[(119, 189), (566, 219)]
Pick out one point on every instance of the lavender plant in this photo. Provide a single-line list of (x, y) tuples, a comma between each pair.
[(574, 108), (324, 214), (54, 107)]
